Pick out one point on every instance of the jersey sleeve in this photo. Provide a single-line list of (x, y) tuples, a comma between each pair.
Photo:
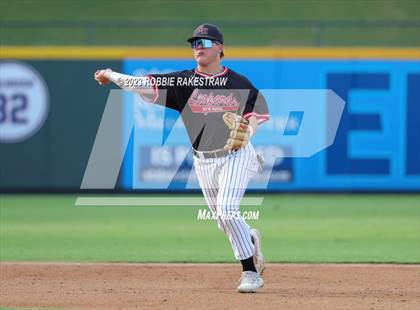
[(164, 92), (256, 105)]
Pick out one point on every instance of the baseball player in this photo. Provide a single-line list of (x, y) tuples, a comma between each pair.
[(221, 111)]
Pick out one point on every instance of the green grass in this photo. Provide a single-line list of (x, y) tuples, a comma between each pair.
[(296, 228), (239, 21)]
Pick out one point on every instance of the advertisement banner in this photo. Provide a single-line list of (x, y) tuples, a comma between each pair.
[(375, 145)]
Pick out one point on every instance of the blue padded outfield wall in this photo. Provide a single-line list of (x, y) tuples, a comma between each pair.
[(376, 148)]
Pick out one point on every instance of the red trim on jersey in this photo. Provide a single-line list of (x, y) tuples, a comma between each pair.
[(225, 70), (260, 117), (155, 91)]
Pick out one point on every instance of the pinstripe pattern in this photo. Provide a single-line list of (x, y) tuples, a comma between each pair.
[(223, 182)]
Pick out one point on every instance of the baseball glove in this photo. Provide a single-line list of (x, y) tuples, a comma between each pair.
[(239, 134)]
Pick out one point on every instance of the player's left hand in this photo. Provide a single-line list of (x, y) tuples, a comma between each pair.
[(239, 133)]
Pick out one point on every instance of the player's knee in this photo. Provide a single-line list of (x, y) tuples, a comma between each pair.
[(228, 218)]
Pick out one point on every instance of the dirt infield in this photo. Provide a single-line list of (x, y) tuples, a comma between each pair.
[(207, 286)]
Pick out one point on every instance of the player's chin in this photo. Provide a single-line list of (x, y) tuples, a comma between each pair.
[(202, 60)]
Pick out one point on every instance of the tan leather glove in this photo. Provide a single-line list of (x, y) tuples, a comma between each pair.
[(239, 134)]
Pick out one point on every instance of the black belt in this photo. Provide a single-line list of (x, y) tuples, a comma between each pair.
[(212, 154)]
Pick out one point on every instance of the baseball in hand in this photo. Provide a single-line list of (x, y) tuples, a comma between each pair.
[(101, 76)]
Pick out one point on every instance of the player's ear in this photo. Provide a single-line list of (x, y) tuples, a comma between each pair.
[(220, 51)]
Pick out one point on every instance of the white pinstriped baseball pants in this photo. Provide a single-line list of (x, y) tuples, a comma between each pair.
[(223, 182)]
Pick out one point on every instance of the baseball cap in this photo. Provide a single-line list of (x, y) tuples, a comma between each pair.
[(207, 31)]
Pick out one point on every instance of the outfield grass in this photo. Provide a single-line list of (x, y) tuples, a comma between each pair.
[(296, 228), (171, 22)]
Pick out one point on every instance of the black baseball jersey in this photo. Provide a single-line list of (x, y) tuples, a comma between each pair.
[(202, 100)]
